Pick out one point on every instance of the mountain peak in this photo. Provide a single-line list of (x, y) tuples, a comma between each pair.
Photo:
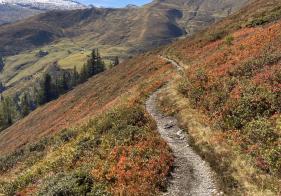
[(46, 4)]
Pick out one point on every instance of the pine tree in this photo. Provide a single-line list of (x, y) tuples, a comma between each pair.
[(90, 65), (84, 73), (2, 87), (75, 79), (25, 105), (65, 85), (46, 94), (116, 61), (2, 64), (7, 111)]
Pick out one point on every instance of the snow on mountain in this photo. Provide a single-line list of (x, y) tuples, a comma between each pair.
[(46, 4)]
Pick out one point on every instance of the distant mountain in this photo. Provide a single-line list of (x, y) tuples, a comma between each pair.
[(45, 4), (14, 10), (133, 27)]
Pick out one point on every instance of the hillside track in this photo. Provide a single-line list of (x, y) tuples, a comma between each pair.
[(191, 175)]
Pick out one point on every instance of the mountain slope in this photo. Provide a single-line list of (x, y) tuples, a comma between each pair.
[(12, 13), (173, 19), (45, 4), (114, 102), (77, 106), (14, 10), (227, 99), (117, 32)]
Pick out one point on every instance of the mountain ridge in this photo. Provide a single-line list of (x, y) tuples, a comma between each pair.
[(15, 10)]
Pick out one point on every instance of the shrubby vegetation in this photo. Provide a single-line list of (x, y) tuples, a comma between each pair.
[(234, 80), (116, 153), (265, 17), (229, 39), (236, 103), (241, 95), (74, 183)]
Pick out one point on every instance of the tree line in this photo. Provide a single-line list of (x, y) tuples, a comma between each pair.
[(49, 88)]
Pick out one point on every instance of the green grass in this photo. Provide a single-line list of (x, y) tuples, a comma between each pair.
[(23, 69)]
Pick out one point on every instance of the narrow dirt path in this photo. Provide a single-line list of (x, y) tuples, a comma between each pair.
[(192, 175)]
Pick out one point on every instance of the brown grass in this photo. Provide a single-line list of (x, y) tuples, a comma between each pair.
[(85, 101)]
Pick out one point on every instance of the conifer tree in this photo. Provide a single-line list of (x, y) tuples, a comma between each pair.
[(25, 105), (8, 112), (65, 85), (45, 93), (84, 73), (2, 87), (2, 64), (116, 61), (75, 80)]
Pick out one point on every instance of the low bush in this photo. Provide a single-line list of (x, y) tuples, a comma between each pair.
[(266, 17), (250, 67), (62, 184), (228, 40), (253, 102), (260, 132), (216, 36)]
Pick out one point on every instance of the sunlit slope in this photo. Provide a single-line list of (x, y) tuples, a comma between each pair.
[(229, 97), (84, 101)]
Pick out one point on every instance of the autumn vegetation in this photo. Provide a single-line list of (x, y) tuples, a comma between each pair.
[(116, 151), (233, 80), (102, 141)]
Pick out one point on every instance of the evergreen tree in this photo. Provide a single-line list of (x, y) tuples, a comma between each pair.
[(95, 64), (2, 87), (92, 62), (2, 64), (65, 86), (75, 80), (7, 111), (116, 61), (25, 105), (84, 73), (99, 66), (46, 91)]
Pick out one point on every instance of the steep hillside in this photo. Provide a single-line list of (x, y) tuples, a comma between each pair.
[(83, 102), (232, 78), (117, 152)]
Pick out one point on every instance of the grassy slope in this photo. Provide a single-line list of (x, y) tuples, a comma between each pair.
[(114, 100), (81, 103), (23, 69), (233, 79)]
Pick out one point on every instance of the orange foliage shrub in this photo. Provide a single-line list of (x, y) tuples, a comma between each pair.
[(138, 169)]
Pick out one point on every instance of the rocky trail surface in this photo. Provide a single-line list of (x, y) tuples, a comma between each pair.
[(192, 175)]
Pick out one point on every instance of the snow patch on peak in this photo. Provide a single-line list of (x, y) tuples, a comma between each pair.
[(46, 4)]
